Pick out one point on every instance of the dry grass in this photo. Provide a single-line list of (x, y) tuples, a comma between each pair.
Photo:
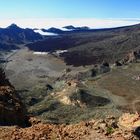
[(122, 82)]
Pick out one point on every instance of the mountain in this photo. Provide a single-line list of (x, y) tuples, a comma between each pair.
[(53, 43), (70, 27), (53, 30), (16, 35), (93, 46), (66, 29), (13, 35)]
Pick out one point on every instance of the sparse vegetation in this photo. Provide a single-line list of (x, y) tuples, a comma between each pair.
[(110, 130)]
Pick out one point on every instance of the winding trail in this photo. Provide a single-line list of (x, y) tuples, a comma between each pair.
[(9, 56)]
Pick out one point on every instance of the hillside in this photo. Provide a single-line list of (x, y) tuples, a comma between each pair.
[(94, 46)]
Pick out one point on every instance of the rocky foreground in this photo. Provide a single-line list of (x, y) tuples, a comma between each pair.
[(124, 128)]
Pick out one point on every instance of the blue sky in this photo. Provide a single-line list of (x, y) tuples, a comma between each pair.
[(70, 9)]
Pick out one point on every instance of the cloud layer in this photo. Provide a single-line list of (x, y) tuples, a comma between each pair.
[(60, 22)]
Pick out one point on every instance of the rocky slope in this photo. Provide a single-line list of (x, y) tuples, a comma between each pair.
[(11, 109)]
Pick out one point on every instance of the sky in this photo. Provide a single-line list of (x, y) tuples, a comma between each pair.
[(58, 13)]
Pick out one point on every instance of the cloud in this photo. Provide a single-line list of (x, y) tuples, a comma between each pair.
[(60, 22)]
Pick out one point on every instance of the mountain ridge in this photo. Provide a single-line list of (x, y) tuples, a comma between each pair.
[(14, 35)]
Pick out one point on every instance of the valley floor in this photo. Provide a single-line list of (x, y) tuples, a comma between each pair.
[(26, 69), (29, 73)]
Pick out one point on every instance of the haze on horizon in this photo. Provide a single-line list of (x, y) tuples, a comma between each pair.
[(54, 13)]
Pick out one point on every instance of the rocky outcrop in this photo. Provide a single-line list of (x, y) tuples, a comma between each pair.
[(131, 57), (73, 94), (12, 111), (129, 121)]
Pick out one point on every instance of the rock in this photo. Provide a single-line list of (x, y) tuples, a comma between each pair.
[(104, 67), (131, 57), (117, 63), (103, 126), (106, 64), (34, 121), (67, 70), (32, 101), (129, 121), (137, 132), (119, 138), (49, 87)]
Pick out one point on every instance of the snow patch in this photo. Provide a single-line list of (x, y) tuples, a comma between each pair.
[(61, 51), (44, 33), (64, 29), (40, 53)]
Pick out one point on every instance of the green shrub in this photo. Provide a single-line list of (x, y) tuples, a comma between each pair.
[(110, 130)]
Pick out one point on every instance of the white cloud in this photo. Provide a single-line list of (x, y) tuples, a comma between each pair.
[(44, 33), (60, 22)]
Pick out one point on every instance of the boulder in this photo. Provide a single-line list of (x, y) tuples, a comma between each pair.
[(131, 57), (104, 67), (117, 63)]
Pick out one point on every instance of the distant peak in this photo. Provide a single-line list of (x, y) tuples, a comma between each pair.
[(13, 26), (69, 27)]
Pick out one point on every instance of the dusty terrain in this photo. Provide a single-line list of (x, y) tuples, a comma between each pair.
[(26, 69), (125, 83)]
